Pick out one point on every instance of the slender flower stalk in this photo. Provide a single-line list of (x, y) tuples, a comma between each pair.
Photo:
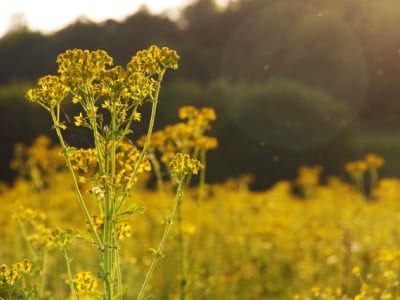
[(74, 179), (158, 253), (181, 165), (70, 280)]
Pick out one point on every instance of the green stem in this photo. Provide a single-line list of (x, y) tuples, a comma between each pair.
[(158, 254), (182, 251), (43, 274), (69, 274), (109, 226), (75, 181), (146, 143), (202, 180), (118, 270), (108, 229), (157, 172), (97, 143), (374, 180), (26, 241)]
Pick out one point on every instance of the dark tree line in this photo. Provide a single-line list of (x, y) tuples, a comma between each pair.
[(292, 81)]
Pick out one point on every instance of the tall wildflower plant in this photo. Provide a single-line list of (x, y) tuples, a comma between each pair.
[(110, 98), (188, 137)]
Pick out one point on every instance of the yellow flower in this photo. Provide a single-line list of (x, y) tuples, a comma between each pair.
[(374, 160), (187, 112), (79, 68), (84, 161), (357, 166), (124, 230), (24, 267), (356, 271), (79, 120), (51, 91), (309, 175), (85, 282), (182, 165), (9, 275), (206, 142), (152, 60)]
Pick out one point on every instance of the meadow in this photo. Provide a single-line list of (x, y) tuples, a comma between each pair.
[(82, 223), (326, 241)]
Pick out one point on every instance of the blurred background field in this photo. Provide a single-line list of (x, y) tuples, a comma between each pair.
[(294, 83), (299, 239)]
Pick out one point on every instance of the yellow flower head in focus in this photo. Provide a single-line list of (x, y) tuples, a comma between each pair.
[(79, 68), (124, 230), (182, 165), (85, 282), (152, 60), (51, 91)]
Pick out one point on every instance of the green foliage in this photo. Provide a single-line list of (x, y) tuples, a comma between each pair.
[(288, 114), (25, 119)]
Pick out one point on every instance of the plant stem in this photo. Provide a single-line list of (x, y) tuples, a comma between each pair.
[(75, 181), (146, 143), (202, 180), (158, 253), (43, 274), (69, 274), (26, 241), (182, 252), (107, 254)]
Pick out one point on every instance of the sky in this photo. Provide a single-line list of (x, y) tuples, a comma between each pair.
[(51, 15)]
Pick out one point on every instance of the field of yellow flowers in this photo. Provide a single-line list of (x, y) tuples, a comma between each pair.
[(326, 241), (82, 223)]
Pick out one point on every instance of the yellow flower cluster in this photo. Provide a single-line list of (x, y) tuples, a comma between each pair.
[(374, 160), (63, 238), (185, 137), (84, 162), (38, 161), (117, 82), (308, 178), (370, 161), (124, 230), (41, 237), (182, 165), (153, 60), (10, 275), (51, 91), (36, 231), (98, 221), (27, 214), (355, 167), (88, 77), (79, 68), (309, 175), (85, 282), (127, 159)]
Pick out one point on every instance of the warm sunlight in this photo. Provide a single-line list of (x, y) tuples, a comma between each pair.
[(48, 16), (200, 149)]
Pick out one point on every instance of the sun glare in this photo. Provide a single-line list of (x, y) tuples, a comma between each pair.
[(48, 16)]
